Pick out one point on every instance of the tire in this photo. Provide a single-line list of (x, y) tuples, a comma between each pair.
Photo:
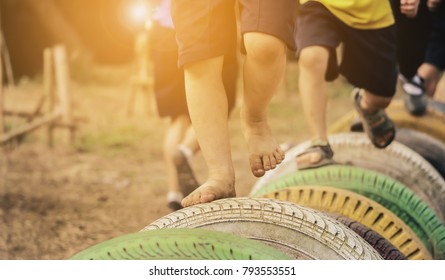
[(286, 167), (397, 161), (437, 106), (297, 231), (385, 248), (180, 244), (432, 123), (427, 146), (384, 190), (360, 209)]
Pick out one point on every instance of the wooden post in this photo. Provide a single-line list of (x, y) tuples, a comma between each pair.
[(62, 78), (48, 89), (56, 91), (3, 166), (2, 123), (62, 81), (141, 83), (7, 62)]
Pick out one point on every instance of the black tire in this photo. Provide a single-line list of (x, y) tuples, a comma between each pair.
[(378, 242), (437, 106), (180, 244), (297, 231), (427, 146), (386, 191)]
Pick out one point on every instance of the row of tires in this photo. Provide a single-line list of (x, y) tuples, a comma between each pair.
[(373, 204)]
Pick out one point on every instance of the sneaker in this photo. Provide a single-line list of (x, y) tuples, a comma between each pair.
[(174, 200), (414, 98)]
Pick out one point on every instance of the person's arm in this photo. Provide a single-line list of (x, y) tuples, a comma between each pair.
[(409, 7), (433, 4)]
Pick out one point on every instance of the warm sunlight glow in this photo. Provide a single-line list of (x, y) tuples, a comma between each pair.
[(139, 12)]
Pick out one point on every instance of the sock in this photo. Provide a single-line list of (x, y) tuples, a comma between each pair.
[(186, 151), (418, 80), (414, 86), (174, 196)]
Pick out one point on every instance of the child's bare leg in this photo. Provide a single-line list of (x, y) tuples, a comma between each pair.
[(431, 75), (263, 69), (208, 108), (174, 135), (190, 140), (313, 62), (184, 152), (371, 103)]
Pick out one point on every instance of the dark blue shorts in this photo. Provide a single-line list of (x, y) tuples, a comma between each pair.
[(208, 28), (369, 57)]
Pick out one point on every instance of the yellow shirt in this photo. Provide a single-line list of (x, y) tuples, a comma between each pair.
[(360, 14)]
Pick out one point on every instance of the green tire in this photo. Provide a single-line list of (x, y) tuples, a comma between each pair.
[(180, 244)]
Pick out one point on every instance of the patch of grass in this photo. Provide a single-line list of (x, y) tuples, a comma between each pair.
[(8, 127), (119, 139), (282, 109)]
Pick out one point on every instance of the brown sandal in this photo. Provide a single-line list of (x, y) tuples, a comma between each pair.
[(376, 125), (321, 147)]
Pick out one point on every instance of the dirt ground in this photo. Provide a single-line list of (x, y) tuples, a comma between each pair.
[(55, 202)]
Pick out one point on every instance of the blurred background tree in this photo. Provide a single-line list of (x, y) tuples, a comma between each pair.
[(94, 31)]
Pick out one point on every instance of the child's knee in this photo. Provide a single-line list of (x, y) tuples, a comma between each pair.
[(204, 69), (315, 58), (264, 47)]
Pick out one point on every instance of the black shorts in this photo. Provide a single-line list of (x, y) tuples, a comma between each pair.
[(207, 28), (369, 58), (435, 53), (412, 38), (169, 85)]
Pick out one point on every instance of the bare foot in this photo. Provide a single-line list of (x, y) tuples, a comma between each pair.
[(264, 152), (210, 191)]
